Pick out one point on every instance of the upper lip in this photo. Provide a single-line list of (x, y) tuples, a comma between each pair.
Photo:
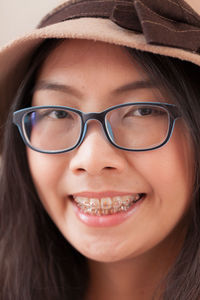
[(90, 194)]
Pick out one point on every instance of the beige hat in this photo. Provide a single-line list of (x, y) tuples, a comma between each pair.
[(166, 27)]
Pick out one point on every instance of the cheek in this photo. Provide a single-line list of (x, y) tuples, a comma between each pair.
[(47, 173), (170, 169)]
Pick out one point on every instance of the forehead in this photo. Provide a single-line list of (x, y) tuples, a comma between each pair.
[(78, 55), (93, 71)]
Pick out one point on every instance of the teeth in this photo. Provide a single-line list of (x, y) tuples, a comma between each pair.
[(106, 205), (94, 203)]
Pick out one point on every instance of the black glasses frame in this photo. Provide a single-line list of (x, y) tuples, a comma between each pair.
[(171, 109)]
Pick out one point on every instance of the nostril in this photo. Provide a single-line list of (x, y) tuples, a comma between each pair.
[(81, 169), (109, 168)]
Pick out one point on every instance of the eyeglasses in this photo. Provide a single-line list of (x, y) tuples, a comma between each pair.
[(138, 126)]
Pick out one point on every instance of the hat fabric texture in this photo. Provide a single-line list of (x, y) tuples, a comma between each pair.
[(165, 27)]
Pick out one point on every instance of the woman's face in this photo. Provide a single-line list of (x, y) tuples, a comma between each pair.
[(92, 76)]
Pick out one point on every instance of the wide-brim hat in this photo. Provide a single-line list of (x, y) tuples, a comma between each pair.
[(165, 27)]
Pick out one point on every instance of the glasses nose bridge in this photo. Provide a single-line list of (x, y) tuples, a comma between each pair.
[(98, 116), (95, 116)]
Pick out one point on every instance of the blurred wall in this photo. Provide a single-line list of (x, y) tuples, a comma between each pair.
[(19, 16)]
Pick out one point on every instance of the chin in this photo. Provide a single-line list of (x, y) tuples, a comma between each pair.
[(103, 255)]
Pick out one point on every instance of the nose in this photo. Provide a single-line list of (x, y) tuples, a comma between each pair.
[(96, 154)]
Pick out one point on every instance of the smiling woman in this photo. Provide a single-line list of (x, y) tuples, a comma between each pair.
[(103, 139)]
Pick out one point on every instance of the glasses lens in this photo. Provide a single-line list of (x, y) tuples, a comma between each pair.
[(138, 126), (52, 129)]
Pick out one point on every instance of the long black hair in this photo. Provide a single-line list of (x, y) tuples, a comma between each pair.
[(36, 261)]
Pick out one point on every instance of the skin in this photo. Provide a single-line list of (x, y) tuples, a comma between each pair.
[(130, 258)]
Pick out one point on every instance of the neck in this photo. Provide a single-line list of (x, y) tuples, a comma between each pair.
[(123, 280)]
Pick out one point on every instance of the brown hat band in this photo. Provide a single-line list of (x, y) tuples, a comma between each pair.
[(170, 23)]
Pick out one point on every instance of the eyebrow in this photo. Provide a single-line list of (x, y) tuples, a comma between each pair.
[(136, 85), (55, 86)]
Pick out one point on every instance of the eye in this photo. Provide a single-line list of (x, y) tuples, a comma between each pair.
[(145, 111), (59, 114)]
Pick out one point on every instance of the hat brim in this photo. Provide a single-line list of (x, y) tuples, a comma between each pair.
[(15, 56)]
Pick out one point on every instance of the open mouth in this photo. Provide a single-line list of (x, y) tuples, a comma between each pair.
[(107, 205)]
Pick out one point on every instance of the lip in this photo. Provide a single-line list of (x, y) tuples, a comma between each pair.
[(103, 194), (105, 220)]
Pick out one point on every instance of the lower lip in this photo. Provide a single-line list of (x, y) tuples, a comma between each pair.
[(106, 220)]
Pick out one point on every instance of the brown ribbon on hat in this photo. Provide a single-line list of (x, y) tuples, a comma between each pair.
[(170, 23)]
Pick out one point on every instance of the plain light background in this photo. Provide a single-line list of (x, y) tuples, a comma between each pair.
[(19, 16)]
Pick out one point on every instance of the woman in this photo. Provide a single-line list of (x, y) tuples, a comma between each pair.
[(100, 193)]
